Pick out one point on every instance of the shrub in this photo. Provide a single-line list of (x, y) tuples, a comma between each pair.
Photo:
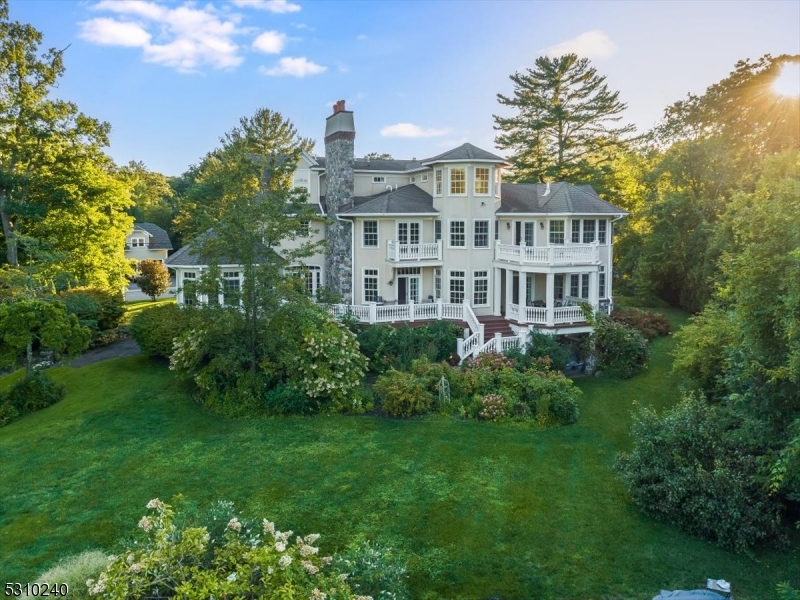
[(495, 407), (7, 411), (286, 399), (402, 395), (34, 392), (374, 570), (74, 571), (153, 278), (111, 306), (542, 345), (243, 562), (648, 323), (699, 467), (155, 329), (619, 350), (389, 347)]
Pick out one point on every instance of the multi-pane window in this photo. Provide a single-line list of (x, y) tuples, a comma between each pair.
[(458, 182), (438, 182), (480, 288), (585, 285), (458, 234), (556, 232), (137, 242), (528, 289), (481, 234), (370, 234), (456, 287), (408, 233), (576, 231), (305, 228), (231, 286), (424, 179), (437, 230), (558, 286), (378, 179), (601, 283), (601, 231), (482, 180), (574, 285), (437, 284), (370, 285), (190, 288), (496, 229), (588, 230), (529, 229)]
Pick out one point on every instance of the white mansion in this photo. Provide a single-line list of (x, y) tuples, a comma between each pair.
[(419, 239)]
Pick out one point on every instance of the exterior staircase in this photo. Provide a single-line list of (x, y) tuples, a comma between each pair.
[(493, 325)]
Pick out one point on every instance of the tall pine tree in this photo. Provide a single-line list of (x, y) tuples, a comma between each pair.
[(566, 127)]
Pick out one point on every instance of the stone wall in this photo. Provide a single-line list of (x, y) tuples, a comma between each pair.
[(339, 157)]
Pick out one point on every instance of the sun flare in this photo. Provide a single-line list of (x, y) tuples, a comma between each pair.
[(787, 83)]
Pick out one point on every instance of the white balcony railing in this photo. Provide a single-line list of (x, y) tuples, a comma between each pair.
[(538, 315), (574, 254), (397, 252)]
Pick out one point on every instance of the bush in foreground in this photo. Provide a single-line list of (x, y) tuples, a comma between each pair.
[(619, 350), (155, 329), (648, 323), (700, 467), (34, 392), (243, 561), (74, 571)]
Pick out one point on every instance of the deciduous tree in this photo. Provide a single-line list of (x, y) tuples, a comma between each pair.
[(153, 278)]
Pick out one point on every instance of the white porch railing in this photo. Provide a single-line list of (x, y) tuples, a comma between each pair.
[(501, 344), (393, 313), (397, 252), (538, 315), (572, 254)]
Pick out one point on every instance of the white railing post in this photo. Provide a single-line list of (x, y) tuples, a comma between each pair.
[(439, 309), (523, 339), (550, 255), (439, 250), (373, 313), (460, 348), (411, 311), (396, 251), (480, 335)]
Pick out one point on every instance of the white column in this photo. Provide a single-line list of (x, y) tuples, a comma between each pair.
[(496, 292), (593, 297), (509, 290), (373, 312), (550, 299), (411, 310)]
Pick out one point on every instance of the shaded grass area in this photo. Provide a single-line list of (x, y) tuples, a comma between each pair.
[(486, 510), (131, 308)]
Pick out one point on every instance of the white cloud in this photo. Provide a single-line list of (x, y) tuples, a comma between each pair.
[(361, 37), (294, 67), (589, 44), (270, 42), (274, 6), (410, 130), (108, 32), (184, 37)]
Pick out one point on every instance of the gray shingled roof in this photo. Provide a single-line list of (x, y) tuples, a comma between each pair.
[(465, 152), (377, 164), (403, 200), (529, 198), (160, 238), (189, 256)]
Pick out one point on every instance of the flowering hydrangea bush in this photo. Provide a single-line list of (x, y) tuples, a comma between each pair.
[(184, 563), (495, 407)]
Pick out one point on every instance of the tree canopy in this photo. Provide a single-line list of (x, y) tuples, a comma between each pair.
[(566, 122)]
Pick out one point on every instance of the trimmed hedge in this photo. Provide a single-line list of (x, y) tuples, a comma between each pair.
[(156, 328)]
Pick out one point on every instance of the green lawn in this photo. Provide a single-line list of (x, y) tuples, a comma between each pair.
[(487, 510)]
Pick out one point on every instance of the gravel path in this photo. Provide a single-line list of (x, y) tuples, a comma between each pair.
[(118, 349)]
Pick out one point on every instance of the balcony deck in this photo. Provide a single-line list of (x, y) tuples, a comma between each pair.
[(414, 254), (548, 256)]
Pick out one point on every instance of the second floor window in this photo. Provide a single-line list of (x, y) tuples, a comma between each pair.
[(601, 231), (137, 242), (231, 286), (458, 182), (588, 230), (482, 180), (576, 231), (437, 230), (437, 189), (370, 234), (601, 282), (481, 234), (458, 234), (378, 179), (305, 228), (408, 233), (557, 232)]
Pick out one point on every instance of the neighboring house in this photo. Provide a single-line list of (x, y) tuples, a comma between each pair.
[(446, 229), (147, 241)]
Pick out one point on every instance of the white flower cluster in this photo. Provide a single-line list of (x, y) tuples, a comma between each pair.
[(145, 523), (234, 525), (97, 587)]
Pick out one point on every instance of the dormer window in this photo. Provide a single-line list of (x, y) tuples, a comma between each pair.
[(482, 181), (138, 242), (378, 179), (458, 182), (424, 179)]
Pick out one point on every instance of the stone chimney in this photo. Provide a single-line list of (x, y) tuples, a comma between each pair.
[(340, 135)]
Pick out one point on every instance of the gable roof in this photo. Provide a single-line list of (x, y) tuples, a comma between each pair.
[(464, 153), (408, 199), (527, 198), (160, 238), (189, 255)]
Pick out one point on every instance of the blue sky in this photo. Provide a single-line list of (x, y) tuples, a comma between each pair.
[(422, 77)]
